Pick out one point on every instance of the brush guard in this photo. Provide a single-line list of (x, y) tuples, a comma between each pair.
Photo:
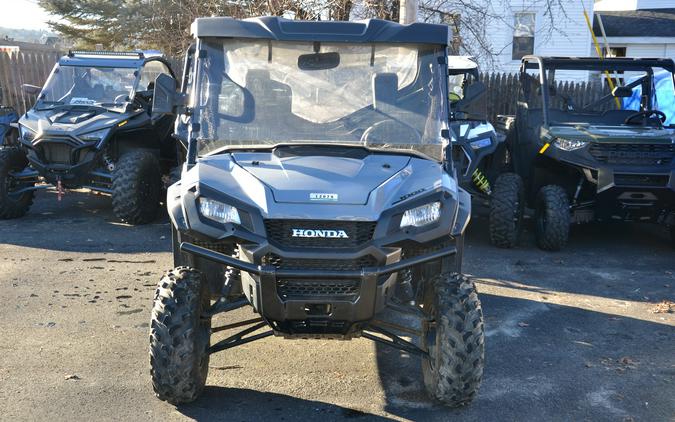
[(378, 330)]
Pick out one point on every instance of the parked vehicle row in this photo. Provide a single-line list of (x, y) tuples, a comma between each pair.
[(323, 174)]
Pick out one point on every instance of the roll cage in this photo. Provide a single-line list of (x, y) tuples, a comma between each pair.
[(112, 59), (548, 65)]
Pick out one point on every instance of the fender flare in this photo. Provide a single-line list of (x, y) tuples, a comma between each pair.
[(463, 213)]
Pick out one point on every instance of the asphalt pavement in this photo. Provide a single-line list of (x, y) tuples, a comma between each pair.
[(584, 334)]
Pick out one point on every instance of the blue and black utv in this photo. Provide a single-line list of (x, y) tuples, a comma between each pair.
[(92, 127)]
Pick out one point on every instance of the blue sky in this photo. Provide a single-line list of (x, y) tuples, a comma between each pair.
[(24, 14)]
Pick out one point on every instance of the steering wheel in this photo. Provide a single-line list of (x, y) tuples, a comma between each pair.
[(646, 113), (120, 98), (391, 132), (568, 102)]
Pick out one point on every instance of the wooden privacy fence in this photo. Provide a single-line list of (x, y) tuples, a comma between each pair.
[(33, 67), (502, 91), (24, 67)]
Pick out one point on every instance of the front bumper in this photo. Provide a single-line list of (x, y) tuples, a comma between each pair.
[(317, 315), (630, 182), (63, 158)]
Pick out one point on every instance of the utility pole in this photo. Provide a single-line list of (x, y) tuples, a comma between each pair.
[(408, 11)]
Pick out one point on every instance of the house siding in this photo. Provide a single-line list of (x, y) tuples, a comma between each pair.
[(651, 50), (607, 5), (570, 37), (655, 4)]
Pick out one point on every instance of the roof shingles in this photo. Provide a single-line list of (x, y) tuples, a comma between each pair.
[(637, 23)]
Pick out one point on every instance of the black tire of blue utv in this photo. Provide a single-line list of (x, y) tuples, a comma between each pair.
[(552, 218), (136, 187), (507, 204), (179, 336), (454, 338), (12, 206)]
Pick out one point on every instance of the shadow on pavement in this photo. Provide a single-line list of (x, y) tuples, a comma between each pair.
[(83, 222), (547, 362), (221, 403), (631, 262), (597, 354)]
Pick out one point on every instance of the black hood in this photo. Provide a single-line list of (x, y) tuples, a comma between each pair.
[(72, 120)]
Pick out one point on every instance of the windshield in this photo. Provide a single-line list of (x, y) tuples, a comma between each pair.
[(606, 97), (263, 93), (108, 87)]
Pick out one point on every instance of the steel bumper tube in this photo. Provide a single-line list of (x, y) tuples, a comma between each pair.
[(270, 270)]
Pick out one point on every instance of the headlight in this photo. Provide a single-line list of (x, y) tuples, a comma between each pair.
[(481, 143), (569, 144), (217, 211), (27, 135), (421, 216), (96, 135)]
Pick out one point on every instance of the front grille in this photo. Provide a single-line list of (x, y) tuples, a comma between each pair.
[(343, 289), (56, 153), (281, 233), (226, 248), (318, 289), (633, 154), (640, 180), (319, 264)]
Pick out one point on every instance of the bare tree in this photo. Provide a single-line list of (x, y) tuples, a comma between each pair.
[(165, 24), (472, 21)]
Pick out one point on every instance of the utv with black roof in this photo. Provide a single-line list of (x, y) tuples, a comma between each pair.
[(604, 152), (92, 127), (318, 189)]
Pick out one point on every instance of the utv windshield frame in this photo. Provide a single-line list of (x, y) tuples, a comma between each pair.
[(103, 60), (273, 29), (251, 93), (546, 64)]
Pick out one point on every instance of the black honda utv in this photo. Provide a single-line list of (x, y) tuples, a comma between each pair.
[(478, 150), (92, 127), (606, 152), (318, 189)]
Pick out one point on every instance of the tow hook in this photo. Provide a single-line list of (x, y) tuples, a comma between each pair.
[(59, 189)]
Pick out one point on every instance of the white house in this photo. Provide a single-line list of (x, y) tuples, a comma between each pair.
[(637, 28), (634, 28), (521, 27)]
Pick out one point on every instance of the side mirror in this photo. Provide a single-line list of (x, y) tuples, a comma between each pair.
[(31, 89), (164, 97), (622, 92)]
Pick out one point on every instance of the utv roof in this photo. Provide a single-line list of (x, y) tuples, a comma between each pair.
[(280, 29), (132, 59), (595, 63)]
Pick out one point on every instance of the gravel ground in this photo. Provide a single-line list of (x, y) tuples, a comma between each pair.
[(576, 335)]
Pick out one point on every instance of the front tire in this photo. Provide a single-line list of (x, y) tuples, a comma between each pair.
[(136, 187), (179, 336), (552, 218), (455, 339), (507, 204), (12, 206)]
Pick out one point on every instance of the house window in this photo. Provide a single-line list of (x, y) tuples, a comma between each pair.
[(617, 52), (523, 35)]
